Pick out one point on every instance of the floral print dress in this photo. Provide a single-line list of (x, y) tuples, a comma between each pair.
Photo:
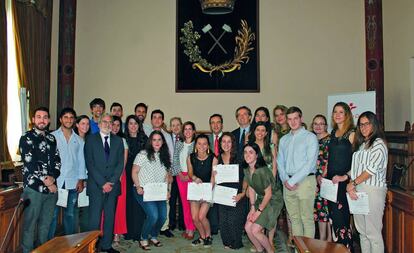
[(321, 212)]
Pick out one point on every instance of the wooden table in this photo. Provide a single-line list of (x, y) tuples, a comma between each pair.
[(308, 245), (76, 243)]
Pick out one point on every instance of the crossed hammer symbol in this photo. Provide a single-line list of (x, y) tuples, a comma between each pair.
[(208, 27)]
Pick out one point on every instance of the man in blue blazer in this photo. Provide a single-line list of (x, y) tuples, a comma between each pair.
[(104, 157)]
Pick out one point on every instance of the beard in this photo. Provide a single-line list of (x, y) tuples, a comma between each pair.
[(42, 127)]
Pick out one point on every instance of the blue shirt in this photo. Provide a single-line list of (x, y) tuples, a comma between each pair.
[(297, 156), (72, 159), (94, 126)]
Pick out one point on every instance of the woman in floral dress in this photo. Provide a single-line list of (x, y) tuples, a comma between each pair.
[(321, 214)]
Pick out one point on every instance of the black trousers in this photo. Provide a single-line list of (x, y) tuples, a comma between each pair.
[(213, 218), (174, 199)]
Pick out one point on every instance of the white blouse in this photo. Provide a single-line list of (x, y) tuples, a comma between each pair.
[(183, 157), (150, 171), (372, 160)]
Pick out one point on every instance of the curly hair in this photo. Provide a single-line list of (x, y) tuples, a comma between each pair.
[(164, 152)]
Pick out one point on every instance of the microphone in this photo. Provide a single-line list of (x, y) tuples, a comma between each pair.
[(22, 202)]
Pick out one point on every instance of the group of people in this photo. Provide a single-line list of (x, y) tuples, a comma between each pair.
[(280, 163)]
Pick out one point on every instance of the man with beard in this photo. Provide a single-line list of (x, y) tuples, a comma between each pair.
[(104, 156), (72, 172), (141, 110), (41, 167)]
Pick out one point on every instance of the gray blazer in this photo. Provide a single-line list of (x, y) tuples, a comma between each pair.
[(101, 171), (176, 166)]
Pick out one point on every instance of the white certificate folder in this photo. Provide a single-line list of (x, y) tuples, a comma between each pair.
[(360, 205), (227, 173), (155, 192), (197, 192), (224, 195)]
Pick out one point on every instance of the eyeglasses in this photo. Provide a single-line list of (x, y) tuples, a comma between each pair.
[(361, 125)]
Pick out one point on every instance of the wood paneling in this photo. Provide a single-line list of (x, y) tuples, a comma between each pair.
[(9, 199)]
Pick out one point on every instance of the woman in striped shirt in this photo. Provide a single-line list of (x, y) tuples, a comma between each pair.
[(368, 174)]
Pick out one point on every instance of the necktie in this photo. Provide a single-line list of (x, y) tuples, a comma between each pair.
[(106, 148), (216, 146), (242, 137)]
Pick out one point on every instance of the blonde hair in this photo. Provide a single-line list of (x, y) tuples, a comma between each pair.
[(349, 119)]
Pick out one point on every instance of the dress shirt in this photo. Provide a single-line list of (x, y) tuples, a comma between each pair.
[(297, 156), (40, 158), (147, 129), (103, 139), (246, 131), (72, 159)]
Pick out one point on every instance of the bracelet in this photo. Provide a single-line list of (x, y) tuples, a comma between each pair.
[(354, 183), (260, 210)]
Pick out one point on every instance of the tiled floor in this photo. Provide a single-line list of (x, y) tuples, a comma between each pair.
[(178, 244)]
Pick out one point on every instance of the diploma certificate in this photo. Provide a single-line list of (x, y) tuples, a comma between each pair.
[(155, 192), (83, 199), (359, 206), (227, 173), (328, 190), (62, 198), (199, 192), (224, 195)]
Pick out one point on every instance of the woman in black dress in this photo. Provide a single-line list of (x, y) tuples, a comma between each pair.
[(199, 165), (136, 140), (232, 219), (339, 166)]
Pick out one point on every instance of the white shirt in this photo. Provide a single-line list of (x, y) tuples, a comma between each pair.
[(150, 171), (372, 160)]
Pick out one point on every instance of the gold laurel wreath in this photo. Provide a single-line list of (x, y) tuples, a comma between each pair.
[(244, 40)]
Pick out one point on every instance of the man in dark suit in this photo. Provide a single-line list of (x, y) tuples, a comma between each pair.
[(243, 116), (104, 157)]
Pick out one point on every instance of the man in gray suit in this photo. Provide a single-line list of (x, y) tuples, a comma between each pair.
[(104, 156)]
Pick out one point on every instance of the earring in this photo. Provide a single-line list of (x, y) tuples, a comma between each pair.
[(208, 151), (195, 151)]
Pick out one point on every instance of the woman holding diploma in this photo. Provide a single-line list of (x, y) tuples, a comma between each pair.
[(199, 165), (319, 127), (263, 213), (150, 166), (231, 218), (179, 169), (368, 174), (339, 164)]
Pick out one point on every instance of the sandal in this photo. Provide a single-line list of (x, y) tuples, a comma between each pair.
[(144, 246), (156, 243)]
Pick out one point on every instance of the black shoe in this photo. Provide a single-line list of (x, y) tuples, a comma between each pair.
[(198, 242), (167, 233), (207, 242), (110, 250)]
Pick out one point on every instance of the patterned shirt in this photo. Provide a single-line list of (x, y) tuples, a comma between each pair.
[(372, 160), (150, 171), (40, 159)]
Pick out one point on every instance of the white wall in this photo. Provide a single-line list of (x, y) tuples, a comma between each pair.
[(125, 52), (398, 22)]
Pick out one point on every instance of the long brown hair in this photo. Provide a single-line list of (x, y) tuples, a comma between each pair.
[(377, 131), (349, 119)]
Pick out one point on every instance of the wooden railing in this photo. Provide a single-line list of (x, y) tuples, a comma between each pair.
[(401, 151)]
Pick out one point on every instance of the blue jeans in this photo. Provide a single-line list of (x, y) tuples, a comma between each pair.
[(156, 214), (70, 214)]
